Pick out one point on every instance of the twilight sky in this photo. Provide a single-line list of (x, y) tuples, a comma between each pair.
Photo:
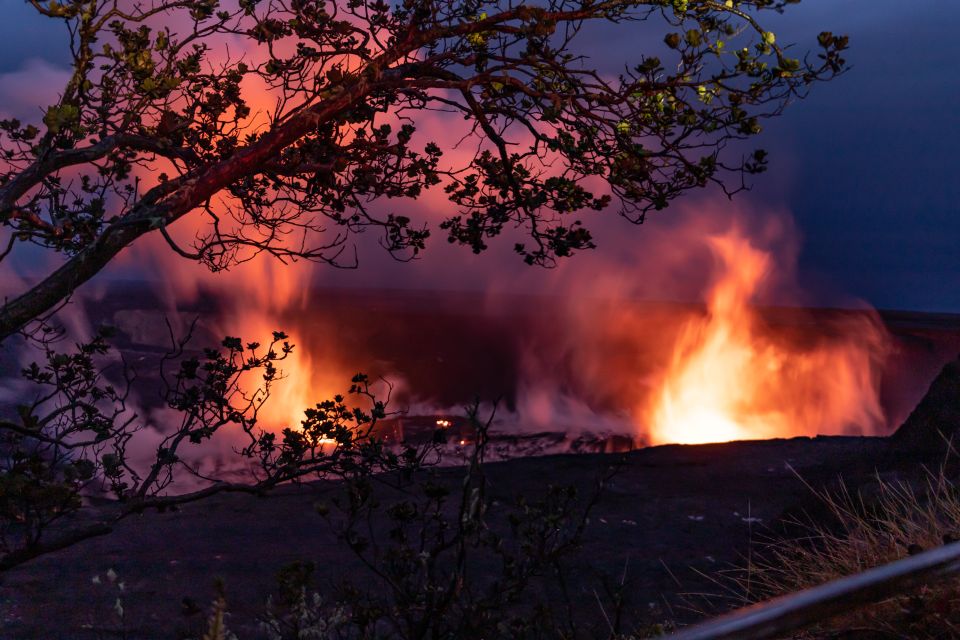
[(867, 165)]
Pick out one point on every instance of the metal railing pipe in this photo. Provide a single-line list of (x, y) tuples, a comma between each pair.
[(784, 614)]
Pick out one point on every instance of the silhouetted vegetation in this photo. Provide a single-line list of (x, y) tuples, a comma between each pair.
[(155, 125)]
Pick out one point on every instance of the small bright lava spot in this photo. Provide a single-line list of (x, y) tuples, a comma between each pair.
[(443, 424), (463, 442)]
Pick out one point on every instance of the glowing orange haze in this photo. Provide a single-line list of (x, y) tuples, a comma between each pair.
[(718, 376), (266, 292), (727, 377), (727, 380)]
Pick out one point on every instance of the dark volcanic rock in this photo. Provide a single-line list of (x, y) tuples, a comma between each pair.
[(937, 417), (670, 521)]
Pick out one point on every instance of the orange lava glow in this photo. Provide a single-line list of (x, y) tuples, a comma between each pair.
[(726, 376), (729, 378), (266, 296)]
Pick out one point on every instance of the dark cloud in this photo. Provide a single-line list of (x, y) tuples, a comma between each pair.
[(872, 157)]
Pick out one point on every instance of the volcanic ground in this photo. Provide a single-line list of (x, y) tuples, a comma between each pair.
[(670, 520)]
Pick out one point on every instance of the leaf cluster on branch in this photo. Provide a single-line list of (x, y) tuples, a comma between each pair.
[(442, 558), (424, 539), (75, 437)]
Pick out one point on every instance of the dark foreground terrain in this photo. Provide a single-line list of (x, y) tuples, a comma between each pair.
[(671, 520), (672, 517)]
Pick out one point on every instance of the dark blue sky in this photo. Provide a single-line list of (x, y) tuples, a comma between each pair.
[(867, 164), (872, 179)]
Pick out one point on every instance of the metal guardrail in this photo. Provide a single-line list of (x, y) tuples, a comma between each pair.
[(792, 612)]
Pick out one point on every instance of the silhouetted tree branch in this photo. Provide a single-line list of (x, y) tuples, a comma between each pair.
[(154, 122)]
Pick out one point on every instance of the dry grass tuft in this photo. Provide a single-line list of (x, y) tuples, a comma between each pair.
[(894, 520)]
